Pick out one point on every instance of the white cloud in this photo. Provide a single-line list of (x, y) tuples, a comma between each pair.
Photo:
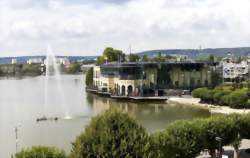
[(86, 28)]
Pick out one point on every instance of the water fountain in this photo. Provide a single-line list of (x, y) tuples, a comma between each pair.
[(53, 73)]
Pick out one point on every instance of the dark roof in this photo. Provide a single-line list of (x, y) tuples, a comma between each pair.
[(138, 64)]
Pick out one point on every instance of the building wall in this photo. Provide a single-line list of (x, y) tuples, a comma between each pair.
[(179, 78)]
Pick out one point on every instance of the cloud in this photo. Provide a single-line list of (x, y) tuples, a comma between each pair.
[(75, 27)]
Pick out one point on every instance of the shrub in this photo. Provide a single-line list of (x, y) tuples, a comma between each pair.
[(222, 127), (199, 93), (238, 98), (113, 134), (41, 152), (188, 138), (219, 94), (180, 139)]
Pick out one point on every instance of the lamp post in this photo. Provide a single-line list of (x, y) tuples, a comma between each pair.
[(16, 136), (219, 140)]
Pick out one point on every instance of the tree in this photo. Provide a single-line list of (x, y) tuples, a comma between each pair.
[(41, 152), (159, 58), (211, 58), (89, 77), (238, 98), (109, 55), (1, 72), (100, 60), (74, 68), (145, 58), (112, 54), (134, 58), (216, 78), (181, 139), (113, 134)]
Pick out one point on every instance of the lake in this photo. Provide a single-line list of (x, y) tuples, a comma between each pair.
[(22, 101)]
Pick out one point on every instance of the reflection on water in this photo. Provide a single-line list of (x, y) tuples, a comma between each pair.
[(153, 116), (22, 101)]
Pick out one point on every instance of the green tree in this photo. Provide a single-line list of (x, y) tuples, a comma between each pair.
[(159, 58), (238, 98), (112, 54), (211, 58), (89, 77), (145, 58), (34, 69), (1, 72), (181, 139), (216, 78), (113, 134), (74, 68), (41, 152), (100, 60), (134, 57)]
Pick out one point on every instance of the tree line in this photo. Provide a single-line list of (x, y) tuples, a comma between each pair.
[(115, 55), (117, 134)]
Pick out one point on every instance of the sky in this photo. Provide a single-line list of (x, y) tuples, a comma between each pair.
[(86, 27)]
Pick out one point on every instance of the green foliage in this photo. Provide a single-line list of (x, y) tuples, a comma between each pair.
[(100, 60), (1, 72), (31, 69), (224, 95), (159, 58), (145, 58), (200, 92), (113, 134), (238, 98), (219, 94), (216, 78), (74, 68), (186, 139), (134, 58), (179, 140), (89, 77), (112, 54), (41, 152), (211, 58), (222, 126), (109, 55)]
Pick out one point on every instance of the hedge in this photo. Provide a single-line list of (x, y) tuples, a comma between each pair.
[(237, 98), (41, 152)]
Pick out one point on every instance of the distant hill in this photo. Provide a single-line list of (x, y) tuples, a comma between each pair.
[(24, 59), (193, 53)]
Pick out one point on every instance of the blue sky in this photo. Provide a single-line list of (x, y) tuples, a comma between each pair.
[(86, 27)]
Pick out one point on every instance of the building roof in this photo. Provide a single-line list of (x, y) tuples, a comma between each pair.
[(138, 64)]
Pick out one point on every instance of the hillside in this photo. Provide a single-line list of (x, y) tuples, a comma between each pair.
[(24, 59), (193, 53)]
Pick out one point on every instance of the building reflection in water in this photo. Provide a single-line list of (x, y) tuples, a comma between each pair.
[(153, 116)]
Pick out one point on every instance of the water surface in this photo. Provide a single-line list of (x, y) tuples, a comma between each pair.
[(22, 101)]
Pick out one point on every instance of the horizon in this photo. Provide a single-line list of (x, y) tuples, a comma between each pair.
[(73, 55)]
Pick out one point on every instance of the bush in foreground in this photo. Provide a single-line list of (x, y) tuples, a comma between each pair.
[(113, 134), (41, 152)]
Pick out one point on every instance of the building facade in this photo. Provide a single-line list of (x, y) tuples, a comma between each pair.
[(234, 70), (150, 79)]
